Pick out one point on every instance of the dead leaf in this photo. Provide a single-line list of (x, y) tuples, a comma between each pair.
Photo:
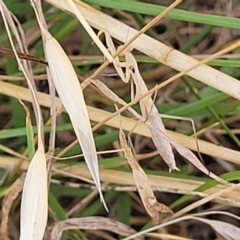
[(152, 206), (227, 230), (92, 223), (188, 155)]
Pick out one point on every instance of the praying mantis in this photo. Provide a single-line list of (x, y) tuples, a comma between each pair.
[(128, 70)]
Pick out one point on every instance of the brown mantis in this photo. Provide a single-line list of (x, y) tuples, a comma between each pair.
[(129, 70)]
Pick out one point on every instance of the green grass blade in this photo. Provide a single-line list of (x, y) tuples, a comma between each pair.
[(177, 14)]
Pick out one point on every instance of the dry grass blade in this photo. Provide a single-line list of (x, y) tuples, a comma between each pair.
[(91, 223), (206, 199), (128, 124), (82, 203), (152, 206), (90, 31), (166, 236), (161, 183), (227, 230), (71, 95), (158, 183), (188, 217)]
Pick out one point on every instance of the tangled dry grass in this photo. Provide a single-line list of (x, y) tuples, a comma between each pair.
[(155, 183)]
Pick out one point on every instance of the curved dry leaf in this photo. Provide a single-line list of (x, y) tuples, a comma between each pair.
[(70, 93), (91, 223), (34, 205), (188, 155), (227, 230)]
